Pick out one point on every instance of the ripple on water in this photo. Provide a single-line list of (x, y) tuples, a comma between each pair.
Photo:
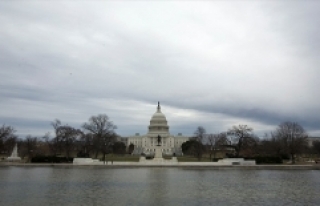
[(156, 186)]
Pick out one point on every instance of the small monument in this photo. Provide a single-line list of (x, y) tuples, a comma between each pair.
[(14, 154), (158, 152)]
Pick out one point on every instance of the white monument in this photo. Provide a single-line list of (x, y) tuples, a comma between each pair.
[(14, 154), (158, 150), (148, 144)]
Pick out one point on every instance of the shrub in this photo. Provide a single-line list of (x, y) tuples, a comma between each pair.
[(268, 160), (82, 154), (50, 159)]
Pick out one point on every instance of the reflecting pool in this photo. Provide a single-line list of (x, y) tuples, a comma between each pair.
[(156, 186)]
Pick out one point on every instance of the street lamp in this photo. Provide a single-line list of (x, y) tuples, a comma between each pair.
[(111, 153), (104, 152)]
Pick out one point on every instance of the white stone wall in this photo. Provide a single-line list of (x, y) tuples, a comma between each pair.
[(146, 144)]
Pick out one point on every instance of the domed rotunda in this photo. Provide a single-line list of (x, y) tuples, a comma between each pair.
[(158, 136), (158, 123)]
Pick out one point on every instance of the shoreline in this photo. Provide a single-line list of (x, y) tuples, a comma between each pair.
[(213, 167)]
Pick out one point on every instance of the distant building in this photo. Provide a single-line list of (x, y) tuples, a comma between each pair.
[(312, 139), (157, 136)]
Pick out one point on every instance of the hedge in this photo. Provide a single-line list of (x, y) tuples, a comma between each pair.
[(51, 159), (268, 160)]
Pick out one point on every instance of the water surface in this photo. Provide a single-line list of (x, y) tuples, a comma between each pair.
[(156, 186)]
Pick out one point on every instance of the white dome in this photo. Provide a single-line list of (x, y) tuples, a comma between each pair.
[(158, 116), (158, 122)]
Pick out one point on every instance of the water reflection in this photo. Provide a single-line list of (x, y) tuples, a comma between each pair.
[(156, 186), (157, 190)]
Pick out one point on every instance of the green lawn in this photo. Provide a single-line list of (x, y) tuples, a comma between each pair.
[(121, 158)]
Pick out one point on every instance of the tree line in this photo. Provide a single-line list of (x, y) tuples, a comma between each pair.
[(96, 137), (288, 140)]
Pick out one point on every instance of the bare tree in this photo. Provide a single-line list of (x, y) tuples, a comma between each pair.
[(293, 138), (277, 145), (87, 143), (215, 141), (199, 137), (69, 136), (51, 148), (103, 131), (7, 138), (239, 137), (65, 137), (272, 145), (6, 132), (200, 134), (28, 147), (55, 144)]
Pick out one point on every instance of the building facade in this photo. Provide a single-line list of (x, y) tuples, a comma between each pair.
[(158, 136), (312, 139)]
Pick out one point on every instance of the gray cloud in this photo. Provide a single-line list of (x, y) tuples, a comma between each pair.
[(217, 63)]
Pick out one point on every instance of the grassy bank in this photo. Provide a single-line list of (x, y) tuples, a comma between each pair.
[(121, 158)]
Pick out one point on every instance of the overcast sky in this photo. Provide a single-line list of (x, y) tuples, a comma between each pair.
[(211, 63)]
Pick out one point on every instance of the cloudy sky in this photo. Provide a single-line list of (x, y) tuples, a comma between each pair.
[(211, 63)]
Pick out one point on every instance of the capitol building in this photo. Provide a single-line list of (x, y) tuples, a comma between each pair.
[(158, 136)]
